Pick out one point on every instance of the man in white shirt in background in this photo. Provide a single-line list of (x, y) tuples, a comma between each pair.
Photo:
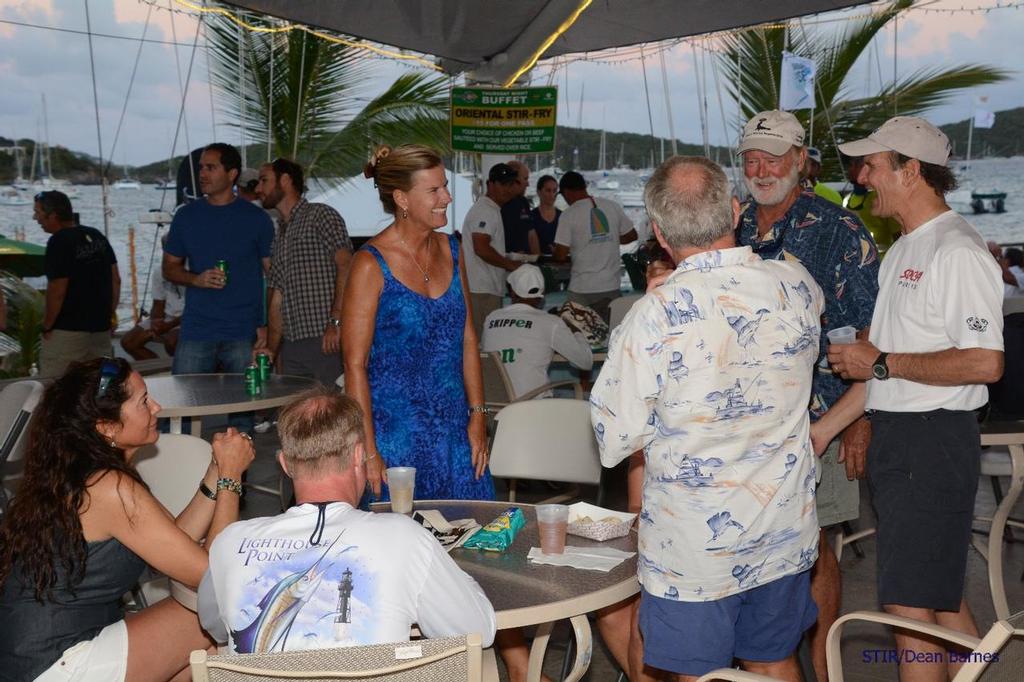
[(527, 337), (325, 574), (936, 340), (590, 231), (483, 244), (710, 375)]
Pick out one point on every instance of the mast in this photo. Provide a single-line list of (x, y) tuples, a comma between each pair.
[(970, 135), (46, 138)]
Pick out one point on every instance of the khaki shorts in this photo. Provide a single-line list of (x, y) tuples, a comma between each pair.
[(483, 305), (837, 497), (64, 347), (104, 658)]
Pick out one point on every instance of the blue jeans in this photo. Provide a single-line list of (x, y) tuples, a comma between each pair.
[(208, 357)]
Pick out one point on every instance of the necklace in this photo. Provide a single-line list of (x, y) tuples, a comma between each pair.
[(426, 275)]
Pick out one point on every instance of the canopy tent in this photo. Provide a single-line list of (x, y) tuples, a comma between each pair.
[(496, 40), (23, 259)]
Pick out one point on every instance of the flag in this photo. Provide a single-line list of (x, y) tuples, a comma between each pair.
[(797, 82), (983, 118)]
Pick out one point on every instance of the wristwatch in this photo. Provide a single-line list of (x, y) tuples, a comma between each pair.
[(334, 322), (879, 369)]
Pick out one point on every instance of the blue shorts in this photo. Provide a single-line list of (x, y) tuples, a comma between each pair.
[(764, 624)]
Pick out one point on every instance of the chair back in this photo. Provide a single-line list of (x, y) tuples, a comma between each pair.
[(172, 468), (620, 306), (546, 440), (425, 660), (498, 390), (17, 401)]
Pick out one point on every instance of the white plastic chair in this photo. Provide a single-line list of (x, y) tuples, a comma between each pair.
[(546, 440), (172, 468), (619, 307), (425, 660), (17, 401)]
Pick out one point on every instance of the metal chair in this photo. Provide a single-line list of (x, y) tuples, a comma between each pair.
[(17, 401), (425, 660), (546, 440), (620, 306), (498, 390)]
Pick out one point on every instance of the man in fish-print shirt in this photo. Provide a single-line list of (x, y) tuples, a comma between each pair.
[(710, 374), (325, 574), (784, 221)]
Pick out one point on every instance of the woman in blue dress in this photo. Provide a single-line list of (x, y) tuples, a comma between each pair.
[(411, 355)]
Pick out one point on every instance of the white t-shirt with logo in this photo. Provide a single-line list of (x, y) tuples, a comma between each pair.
[(484, 217), (369, 578), (593, 243), (526, 338), (939, 288)]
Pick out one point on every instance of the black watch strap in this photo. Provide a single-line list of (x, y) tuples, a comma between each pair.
[(880, 369)]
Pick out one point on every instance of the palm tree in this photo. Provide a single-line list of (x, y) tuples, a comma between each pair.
[(752, 63), (315, 92), (24, 323)]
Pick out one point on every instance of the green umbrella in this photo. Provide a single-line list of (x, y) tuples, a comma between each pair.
[(23, 259)]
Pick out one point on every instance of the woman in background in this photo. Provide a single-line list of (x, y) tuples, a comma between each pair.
[(545, 215)]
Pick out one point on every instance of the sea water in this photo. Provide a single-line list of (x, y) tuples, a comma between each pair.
[(127, 205)]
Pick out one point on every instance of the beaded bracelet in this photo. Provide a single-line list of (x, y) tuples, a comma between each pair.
[(205, 490), (481, 409), (229, 484)]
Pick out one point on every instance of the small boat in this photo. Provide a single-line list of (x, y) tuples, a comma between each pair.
[(12, 197), (166, 186), (993, 201), (127, 183)]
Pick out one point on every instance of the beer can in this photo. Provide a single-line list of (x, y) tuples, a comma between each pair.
[(252, 380), (263, 363), (222, 265)]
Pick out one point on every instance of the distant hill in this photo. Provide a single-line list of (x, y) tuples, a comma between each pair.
[(575, 148), (1004, 138)]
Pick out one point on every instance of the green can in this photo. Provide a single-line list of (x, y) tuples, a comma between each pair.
[(263, 363), (222, 265), (252, 380)]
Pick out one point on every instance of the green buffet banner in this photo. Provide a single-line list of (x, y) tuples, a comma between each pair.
[(504, 121)]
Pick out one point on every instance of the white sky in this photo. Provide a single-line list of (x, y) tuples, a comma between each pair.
[(34, 61)]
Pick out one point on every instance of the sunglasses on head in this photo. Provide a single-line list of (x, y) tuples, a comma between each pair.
[(108, 372)]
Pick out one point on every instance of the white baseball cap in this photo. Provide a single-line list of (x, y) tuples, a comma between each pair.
[(527, 281), (908, 135), (814, 154), (773, 132)]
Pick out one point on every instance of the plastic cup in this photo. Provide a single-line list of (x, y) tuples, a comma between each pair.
[(402, 485), (552, 519), (842, 335)]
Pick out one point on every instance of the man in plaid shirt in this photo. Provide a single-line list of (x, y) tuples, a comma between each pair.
[(309, 264)]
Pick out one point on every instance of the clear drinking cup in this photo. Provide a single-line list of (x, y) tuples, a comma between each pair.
[(402, 485), (842, 335), (552, 519)]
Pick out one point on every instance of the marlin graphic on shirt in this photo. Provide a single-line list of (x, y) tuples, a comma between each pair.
[(280, 607)]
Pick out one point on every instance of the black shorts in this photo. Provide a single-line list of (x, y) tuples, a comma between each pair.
[(923, 474)]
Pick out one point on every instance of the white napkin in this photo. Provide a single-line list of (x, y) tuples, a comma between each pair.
[(588, 558)]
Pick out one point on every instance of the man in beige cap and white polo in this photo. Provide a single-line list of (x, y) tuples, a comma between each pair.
[(935, 341), (786, 221)]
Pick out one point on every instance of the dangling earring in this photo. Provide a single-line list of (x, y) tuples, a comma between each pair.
[(405, 213), (112, 443)]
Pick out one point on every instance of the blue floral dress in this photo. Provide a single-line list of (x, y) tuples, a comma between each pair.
[(420, 413)]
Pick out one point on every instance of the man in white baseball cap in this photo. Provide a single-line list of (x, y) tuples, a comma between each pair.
[(526, 337), (936, 340), (812, 170), (787, 221)]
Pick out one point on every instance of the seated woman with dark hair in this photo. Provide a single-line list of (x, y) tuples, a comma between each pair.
[(83, 526)]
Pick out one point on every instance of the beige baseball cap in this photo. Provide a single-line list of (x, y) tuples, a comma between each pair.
[(527, 281), (773, 132), (909, 135)]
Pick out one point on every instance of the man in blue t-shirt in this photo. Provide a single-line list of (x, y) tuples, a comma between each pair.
[(224, 309)]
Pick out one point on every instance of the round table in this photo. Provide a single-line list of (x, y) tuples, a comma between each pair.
[(524, 593), (197, 395)]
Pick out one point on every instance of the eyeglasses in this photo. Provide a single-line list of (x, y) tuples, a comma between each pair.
[(108, 372)]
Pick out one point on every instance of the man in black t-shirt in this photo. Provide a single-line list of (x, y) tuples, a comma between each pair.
[(520, 237), (82, 290)]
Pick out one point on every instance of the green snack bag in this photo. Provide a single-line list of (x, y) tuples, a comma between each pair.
[(497, 535)]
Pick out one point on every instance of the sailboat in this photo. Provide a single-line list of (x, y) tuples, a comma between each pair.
[(966, 198), (127, 182)]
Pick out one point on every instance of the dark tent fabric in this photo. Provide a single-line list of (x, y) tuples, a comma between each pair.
[(498, 37), (188, 178)]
